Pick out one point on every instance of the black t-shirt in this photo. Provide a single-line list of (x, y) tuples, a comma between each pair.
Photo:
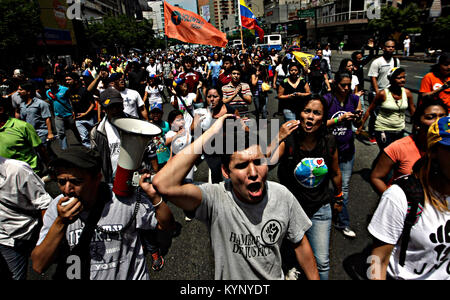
[(81, 99), (292, 104), (306, 173)]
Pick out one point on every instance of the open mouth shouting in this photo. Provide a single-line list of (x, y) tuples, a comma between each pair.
[(255, 189)]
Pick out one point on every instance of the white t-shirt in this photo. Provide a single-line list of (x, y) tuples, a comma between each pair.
[(20, 188), (407, 43), (131, 102), (280, 71), (355, 82), (326, 54), (189, 101), (380, 69), (153, 70), (427, 256), (113, 136), (178, 144), (154, 94)]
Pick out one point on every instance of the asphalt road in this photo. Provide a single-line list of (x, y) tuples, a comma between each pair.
[(189, 256)]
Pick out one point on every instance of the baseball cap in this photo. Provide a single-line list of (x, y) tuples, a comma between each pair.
[(178, 81), (439, 132), (76, 155), (154, 107), (110, 96)]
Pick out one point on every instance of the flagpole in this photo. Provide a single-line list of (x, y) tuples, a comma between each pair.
[(240, 23)]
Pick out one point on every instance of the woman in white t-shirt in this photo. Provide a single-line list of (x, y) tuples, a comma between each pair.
[(326, 54), (154, 92), (346, 66), (427, 254), (183, 100), (179, 136)]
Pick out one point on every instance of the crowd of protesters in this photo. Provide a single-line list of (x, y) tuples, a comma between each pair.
[(57, 125)]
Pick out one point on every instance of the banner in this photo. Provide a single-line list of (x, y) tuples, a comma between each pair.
[(189, 27), (248, 20)]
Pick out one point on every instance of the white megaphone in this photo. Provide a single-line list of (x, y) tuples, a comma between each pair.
[(134, 138)]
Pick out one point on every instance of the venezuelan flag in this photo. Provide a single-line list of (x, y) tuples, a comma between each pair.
[(248, 19)]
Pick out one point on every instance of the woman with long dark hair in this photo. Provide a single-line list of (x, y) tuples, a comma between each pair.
[(344, 110), (292, 91), (308, 159), (424, 255)]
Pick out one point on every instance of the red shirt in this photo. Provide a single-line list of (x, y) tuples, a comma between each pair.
[(192, 79)]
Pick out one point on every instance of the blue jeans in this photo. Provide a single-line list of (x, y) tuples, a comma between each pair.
[(261, 105), (84, 127), (289, 115), (63, 124), (319, 238), (16, 259), (343, 219)]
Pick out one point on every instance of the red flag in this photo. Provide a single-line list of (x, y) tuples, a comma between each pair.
[(188, 27)]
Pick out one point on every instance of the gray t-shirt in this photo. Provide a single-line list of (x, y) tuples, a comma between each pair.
[(113, 257), (246, 238)]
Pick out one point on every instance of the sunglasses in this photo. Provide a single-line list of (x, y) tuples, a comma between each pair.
[(74, 181), (345, 85)]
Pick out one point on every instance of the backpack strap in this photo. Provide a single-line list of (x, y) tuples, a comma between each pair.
[(413, 190)]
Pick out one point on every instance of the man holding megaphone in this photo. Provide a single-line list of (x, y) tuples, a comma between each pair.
[(106, 138), (91, 232)]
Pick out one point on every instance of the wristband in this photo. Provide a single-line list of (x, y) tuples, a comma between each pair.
[(159, 203), (336, 120)]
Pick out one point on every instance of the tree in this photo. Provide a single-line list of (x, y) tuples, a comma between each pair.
[(121, 31), (20, 25), (397, 21)]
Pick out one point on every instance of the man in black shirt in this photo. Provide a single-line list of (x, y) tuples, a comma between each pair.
[(83, 106)]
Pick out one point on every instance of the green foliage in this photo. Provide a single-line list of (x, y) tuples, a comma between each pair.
[(20, 24), (442, 25), (121, 31), (395, 20)]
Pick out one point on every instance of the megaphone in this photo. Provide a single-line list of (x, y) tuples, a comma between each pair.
[(134, 137)]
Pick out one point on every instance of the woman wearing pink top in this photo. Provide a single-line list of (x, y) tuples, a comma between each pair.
[(401, 155)]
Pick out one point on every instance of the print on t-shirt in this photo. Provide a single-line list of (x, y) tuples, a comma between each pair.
[(310, 172)]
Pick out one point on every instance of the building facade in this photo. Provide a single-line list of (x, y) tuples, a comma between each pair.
[(156, 14)]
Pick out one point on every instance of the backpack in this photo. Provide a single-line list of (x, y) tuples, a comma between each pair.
[(412, 187)]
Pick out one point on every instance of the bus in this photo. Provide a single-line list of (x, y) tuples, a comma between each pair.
[(271, 41)]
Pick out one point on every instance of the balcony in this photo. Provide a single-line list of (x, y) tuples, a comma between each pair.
[(354, 17)]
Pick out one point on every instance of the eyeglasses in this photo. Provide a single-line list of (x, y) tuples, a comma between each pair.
[(74, 181)]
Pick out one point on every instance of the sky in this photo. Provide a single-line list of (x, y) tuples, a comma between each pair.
[(186, 4)]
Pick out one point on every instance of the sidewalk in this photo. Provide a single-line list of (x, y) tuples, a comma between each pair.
[(418, 56)]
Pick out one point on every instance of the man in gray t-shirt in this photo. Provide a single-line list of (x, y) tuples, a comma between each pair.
[(248, 216)]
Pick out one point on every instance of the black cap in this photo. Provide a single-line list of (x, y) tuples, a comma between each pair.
[(110, 96), (78, 156)]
